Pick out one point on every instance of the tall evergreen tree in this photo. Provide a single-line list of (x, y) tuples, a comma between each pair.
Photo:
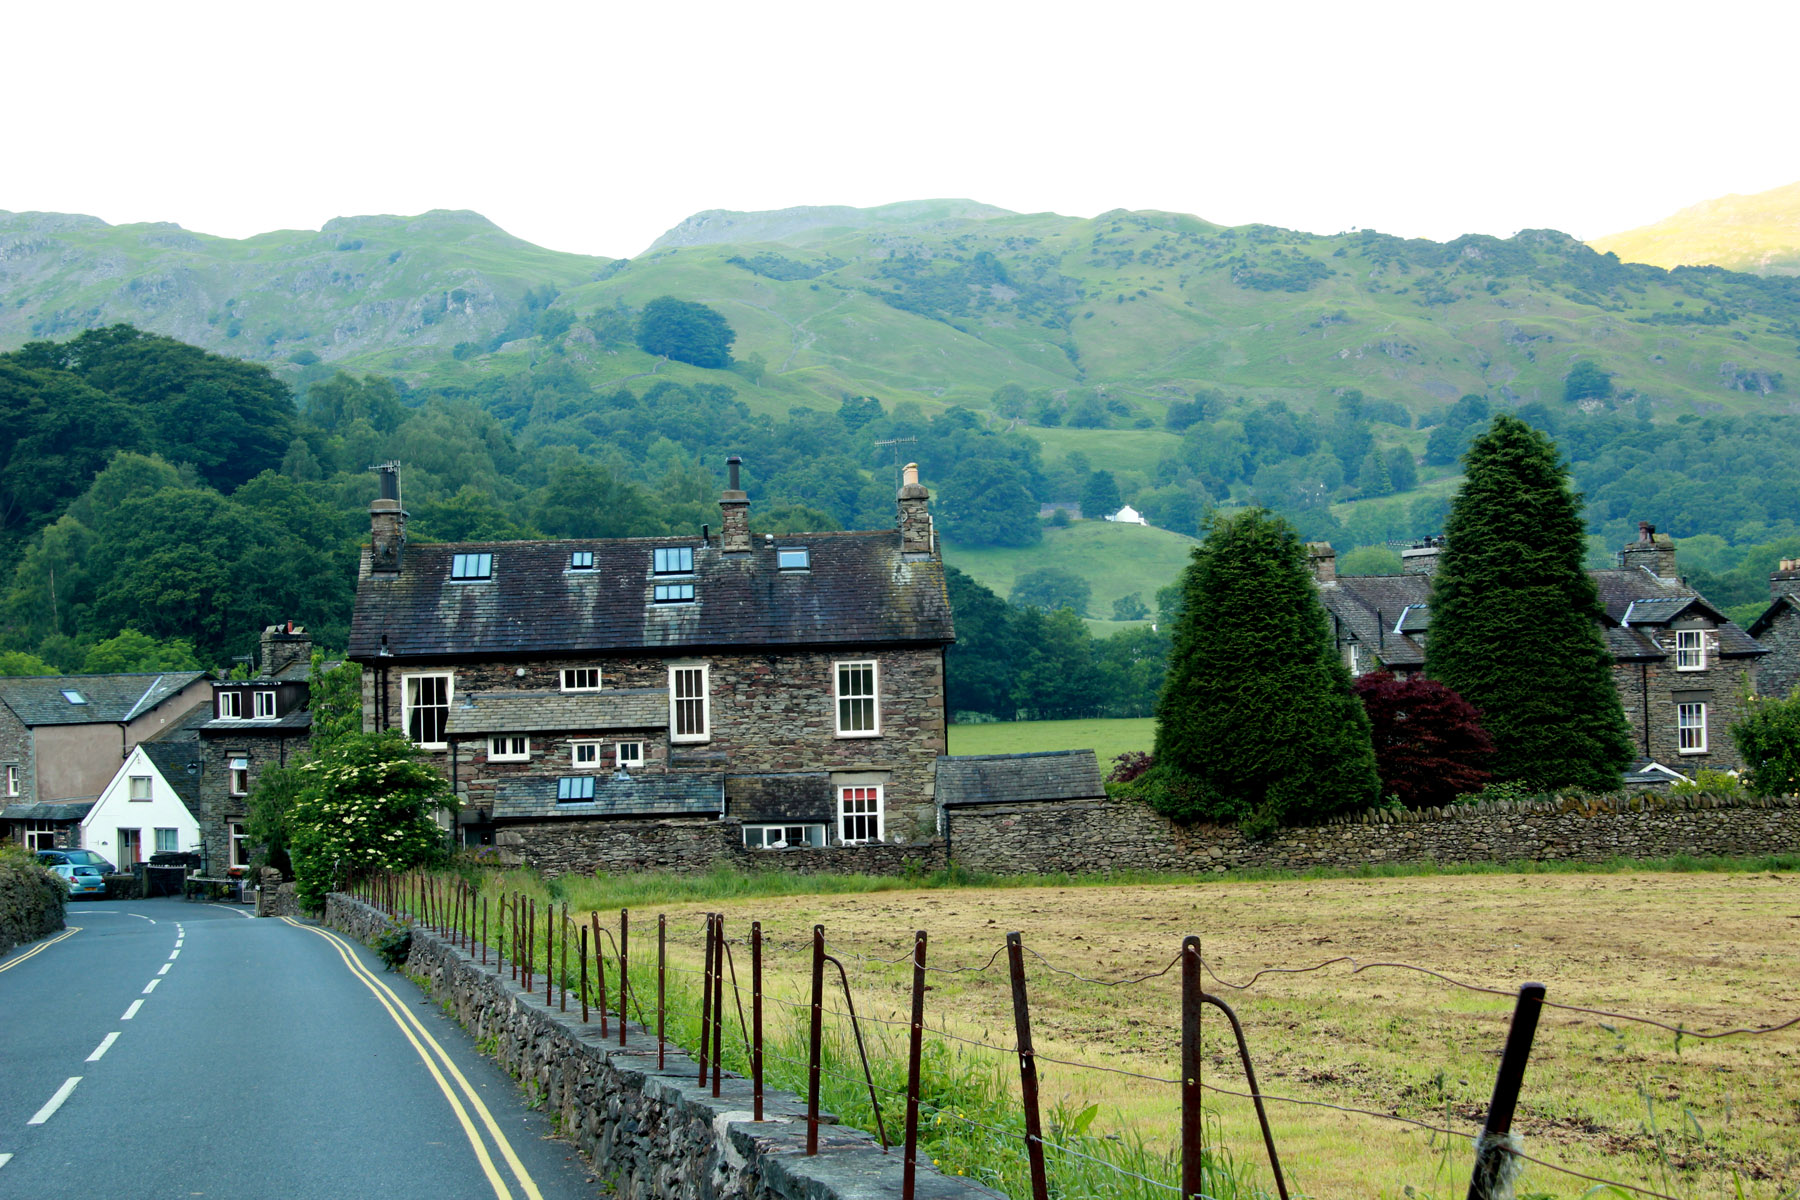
[(1515, 621), (1257, 723)]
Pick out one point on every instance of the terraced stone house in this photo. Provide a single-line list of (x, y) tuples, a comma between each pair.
[(1679, 664), (612, 698)]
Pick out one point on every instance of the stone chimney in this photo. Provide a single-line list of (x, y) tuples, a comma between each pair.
[(1422, 557), (734, 512), (1653, 551), (1786, 579), (283, 646), (917, 535), (1323, 560), (387, 521)]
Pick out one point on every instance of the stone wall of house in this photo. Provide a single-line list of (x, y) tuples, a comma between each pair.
[(216, 807), (1720, 686), (15, 751), (654, 1131), (688, 844), (1099, 835), (770, 711), (1778, 674)]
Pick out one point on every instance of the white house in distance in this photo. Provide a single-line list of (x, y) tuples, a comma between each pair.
[(145, 810), (1128, 516)]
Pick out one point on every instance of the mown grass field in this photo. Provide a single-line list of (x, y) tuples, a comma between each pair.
[(1116, 561), (1107, 737), (1686, 1117)]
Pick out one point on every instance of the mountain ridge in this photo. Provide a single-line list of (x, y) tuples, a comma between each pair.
[(1757, 232)]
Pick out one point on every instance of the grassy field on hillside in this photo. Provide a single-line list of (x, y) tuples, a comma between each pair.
[(1116, 560), (1107, 737), (1625, 1101)]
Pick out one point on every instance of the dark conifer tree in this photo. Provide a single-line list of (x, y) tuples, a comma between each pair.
[(1257, 724), (1515, 620), (1429, 744)]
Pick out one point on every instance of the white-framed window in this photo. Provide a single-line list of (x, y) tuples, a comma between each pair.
[(139, 788), (585, 756), (471, 566), (231, 704), (237, 775), (509, 747), (426, 703), (574, 789), (1690, 728), (240, 844), (581, 560), (265, 705), (1690, 650), (858, 710), (629, 755), (168, 841), (793, 558), (673, 593), (40, 835), (12, 779), (689, 715), (581, 679), (860, 817), (780, 837), (676, 560)]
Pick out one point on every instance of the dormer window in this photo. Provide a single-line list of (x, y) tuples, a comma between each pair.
[(793, 558), (575, 788), (472, 566), (675, 560), (73, 696), (674, 593), (1690, 650), (265, 705), (581, 560), (231, 704)]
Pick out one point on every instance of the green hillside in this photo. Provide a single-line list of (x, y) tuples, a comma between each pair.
[(1115, 560), (1759, 233)]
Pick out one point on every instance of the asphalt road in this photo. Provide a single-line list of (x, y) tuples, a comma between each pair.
[(168, 1049)]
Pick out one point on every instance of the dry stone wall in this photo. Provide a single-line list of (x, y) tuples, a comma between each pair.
[(653, 1132), (692, 844), (1084, 836)]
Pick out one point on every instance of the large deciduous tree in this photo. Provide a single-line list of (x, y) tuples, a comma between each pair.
[(1515, 620), (1429, 744), (686, 332), (1257, 724)]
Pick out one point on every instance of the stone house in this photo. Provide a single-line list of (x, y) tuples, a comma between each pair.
[(1679, 664), (1778, 629), (62, 738), (631, 692)]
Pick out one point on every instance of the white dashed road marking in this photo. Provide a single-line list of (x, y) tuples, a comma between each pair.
[(56, 1102), (175, 953), (132, 1011), (104, 1046), (165, 968), (151, 986), (4, 1159)]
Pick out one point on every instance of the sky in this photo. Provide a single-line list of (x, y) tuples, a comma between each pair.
[(594, 127)]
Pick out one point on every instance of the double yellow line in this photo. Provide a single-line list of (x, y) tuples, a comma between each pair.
[(70, 932), (416, 1034)]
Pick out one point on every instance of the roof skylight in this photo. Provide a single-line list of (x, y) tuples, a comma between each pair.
[(472, 566), (73, 696)]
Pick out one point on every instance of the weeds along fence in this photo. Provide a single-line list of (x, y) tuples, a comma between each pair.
[(971, 1099)]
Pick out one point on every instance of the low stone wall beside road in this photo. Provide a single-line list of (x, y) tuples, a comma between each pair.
[(1086, 836), (687, 845), (31, 901), (654, 1133)]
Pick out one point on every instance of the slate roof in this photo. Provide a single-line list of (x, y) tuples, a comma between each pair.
[(298, 719), (678, 794), (531, 712), (1762, 623), (1012, 778), (61, 811), (797, 797), (859, 588), (1634, 597), (179, 764), (39, 699), (1384, 613)]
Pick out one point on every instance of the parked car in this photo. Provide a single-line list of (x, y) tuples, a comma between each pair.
[(85, 858), (84, 879)]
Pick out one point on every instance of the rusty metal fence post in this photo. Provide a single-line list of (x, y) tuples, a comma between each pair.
[(915, 1043), (718, 1007), (584, 976), (814, 1040), (625, 969), (706, 994), (1028, 1080), (599, 971), (756, 1041), (1496, 1160), (662, 946), (1193, 1156), (562, 927)]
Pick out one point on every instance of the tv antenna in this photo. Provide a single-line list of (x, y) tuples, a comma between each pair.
[(896, 443)]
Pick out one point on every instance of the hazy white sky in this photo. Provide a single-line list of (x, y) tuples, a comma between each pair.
[(594, 127)]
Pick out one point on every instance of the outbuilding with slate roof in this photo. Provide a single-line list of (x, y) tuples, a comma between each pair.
[(793, 683)]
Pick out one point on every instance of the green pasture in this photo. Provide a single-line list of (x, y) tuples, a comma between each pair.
[(1107, 737)]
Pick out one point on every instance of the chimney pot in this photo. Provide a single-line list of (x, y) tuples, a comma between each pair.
[(1323, 560), (1653, 551), (734, 513), (918, 535), (387, 521)]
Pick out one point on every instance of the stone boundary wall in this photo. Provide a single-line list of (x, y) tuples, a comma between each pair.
[(583, 847), (1086, 836), (655, 1134), (32, 902)]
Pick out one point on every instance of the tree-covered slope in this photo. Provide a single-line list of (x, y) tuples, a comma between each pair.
[(1758, 233)]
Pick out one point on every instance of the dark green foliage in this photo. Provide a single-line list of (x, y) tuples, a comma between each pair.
[(686, 332), (1429, 744), (979, 667), (1100, 496), (1586, 381), (1402, 472), (1257, 724), (1768, 736), (32, 900), (1515, 621), (586, 501), (776, 266), (1050, 588), (394, 945), (56, 433), (989, 503), (1130, 608), (1277, 271)]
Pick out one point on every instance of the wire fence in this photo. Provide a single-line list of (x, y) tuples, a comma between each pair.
[(673, 995)]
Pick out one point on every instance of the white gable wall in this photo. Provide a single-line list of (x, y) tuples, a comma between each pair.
[(116, 810)]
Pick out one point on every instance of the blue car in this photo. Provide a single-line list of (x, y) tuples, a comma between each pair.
[(75, 858), (83, 879)]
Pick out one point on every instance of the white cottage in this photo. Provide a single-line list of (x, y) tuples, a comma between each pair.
[(1128, 516), (145, 809)]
